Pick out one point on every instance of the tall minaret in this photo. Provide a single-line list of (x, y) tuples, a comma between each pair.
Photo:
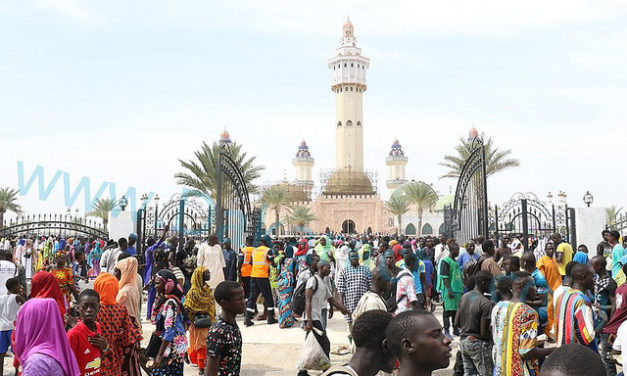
[(348, 81), (303, 162), (396, 161)]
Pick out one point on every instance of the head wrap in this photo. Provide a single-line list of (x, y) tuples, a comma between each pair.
[(324, 250), (106, 285), (303, 247), (397, 252), (289, 251), (40, 330), (227, 241), (44, 285), (199, 298), (128, 294), (172, 291)]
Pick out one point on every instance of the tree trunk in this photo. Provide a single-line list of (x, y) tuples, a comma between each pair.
[(419, 221), (2, 218), (399, 226), (276, 226)]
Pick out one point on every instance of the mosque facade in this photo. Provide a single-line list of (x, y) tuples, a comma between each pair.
[(349, 201)]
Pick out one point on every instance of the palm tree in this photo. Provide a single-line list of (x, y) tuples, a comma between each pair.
[(422, 196), (277, 197), (200, 174), (101, 209), (301, 216), (8, 202), (496, 160), (611, 213), (398, 206)]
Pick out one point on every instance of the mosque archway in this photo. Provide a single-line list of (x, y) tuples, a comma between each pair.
[(327, 230), (442, 229), (427, 229), (369, 231), (348, 226), (410, 229)]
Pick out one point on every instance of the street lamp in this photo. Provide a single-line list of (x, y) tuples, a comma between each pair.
[(587, 198), (123, 202)]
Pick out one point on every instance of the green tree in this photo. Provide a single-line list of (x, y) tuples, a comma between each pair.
[(496, 159), (301, 216), (398, 206), (611, 213), (8, 202), (277, 197), (422, 196), (200, 174), (101, 209)]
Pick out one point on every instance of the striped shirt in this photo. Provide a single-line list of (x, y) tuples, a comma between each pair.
[(574, 319)]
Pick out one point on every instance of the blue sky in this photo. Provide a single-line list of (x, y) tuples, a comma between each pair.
[(119, 91)]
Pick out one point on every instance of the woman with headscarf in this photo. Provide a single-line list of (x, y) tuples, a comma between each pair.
[(199, 301), (285, 287), (41, 345), (301, 253), (167, 315), (365, 256), (117, 327), (44, 285), (93, 259), (324, 249), (129, 295)]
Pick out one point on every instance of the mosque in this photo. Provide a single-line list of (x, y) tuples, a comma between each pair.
[(349, 201)]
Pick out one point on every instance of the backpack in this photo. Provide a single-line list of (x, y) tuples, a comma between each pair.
[(472, 267), (390, 302), (299, 300)]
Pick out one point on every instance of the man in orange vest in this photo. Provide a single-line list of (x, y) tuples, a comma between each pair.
[(246, 267), (261, 260)]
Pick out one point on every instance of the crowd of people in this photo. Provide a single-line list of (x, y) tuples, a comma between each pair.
[(511, 311)]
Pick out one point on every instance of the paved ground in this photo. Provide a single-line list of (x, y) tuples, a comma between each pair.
[(270, 351)]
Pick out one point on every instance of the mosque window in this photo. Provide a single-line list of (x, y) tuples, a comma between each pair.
[(359, 123), (344, 65), (390, 222), (349, 123), (339, 123), (442, 229), (334, 67), (410, 229), (427, 229), (351, 88), (357, 65), (352, 66)]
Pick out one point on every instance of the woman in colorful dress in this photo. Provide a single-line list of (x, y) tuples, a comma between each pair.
[(129, 295), (63, 274), (199, 300), (167, 316), (285, 287), (93, 259), (41, 345), (117, 327)]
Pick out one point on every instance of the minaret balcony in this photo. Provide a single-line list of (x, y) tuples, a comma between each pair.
[(396, 158)]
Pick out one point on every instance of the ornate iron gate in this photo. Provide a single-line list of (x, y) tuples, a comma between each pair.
[(234, 217), (469, 218), (53, 224)]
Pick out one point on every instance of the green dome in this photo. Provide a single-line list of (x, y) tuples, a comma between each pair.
[(443, 201)]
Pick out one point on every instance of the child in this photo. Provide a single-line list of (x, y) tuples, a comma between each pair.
[(86, 338), (224, 341), (9, 305), (80, 267)]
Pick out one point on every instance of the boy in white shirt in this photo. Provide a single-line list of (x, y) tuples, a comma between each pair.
[(9, 305)]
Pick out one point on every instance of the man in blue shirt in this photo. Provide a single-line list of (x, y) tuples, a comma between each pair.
[(470, 254)]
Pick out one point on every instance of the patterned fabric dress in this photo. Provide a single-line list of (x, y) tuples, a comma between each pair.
[(515, 330), (65, 279), (574, 319), (120, 333), (285, 288), (169, 320)]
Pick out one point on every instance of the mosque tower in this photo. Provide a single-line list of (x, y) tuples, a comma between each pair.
[(348, 82), (303, 162), (396, 161)]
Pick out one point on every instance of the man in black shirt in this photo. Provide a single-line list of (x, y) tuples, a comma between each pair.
[(473, 317)]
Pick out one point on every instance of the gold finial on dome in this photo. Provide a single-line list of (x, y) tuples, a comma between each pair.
[(225, 136), (349, 30), (473, 133)]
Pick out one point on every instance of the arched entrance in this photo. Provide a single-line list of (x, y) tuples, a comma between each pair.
[(348, 227)]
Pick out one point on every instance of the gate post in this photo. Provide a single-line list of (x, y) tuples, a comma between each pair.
[(496, 222), (219, 213), (573, 230), (525, 224), (181, 223)]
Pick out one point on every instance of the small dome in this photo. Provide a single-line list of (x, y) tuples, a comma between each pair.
[(303, 143), (303, 151), (473, 133), (348, 28), (397, 150), (225, 136)]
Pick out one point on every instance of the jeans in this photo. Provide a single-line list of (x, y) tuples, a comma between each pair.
[(476, 356), (323, 318), (606, 352), (260, 286)]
